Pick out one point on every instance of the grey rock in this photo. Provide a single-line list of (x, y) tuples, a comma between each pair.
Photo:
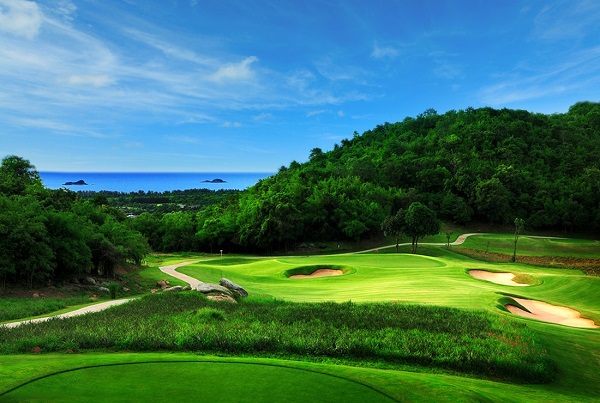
[(235, 288), (103, 289), (208, 288), (186, 288), (88, 281)]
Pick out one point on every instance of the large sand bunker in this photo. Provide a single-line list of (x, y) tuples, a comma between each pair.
[(498, 278), (319, 273), (550, 313)]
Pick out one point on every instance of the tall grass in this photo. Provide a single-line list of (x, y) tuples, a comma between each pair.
[(17, 308), (362, 334)]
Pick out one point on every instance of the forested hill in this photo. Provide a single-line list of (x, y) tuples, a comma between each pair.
[(475, 164)]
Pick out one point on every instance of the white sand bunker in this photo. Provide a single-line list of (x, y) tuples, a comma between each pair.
[(319, 273), (498, 278), (550, 313)]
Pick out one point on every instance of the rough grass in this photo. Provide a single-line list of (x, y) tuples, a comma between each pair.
[(17, 308), (363, 334)]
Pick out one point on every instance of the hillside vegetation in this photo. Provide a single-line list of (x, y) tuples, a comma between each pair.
[(475, 164)]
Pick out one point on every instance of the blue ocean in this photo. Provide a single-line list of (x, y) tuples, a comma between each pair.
[(158, 182)]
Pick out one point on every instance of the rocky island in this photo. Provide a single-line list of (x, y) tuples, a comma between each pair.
[(78, 183), (214, 181)]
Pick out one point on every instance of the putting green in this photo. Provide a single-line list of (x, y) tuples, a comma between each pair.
[(174, 381)]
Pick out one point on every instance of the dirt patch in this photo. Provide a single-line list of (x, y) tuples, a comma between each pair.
[(550, 313), (497, 278), (319, 273)]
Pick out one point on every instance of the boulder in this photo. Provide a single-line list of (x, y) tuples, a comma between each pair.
[(235, 288), (162, 284), (176, 288), (87, 281), (221, 297), (208, 288), (186, 288), (103, 289)]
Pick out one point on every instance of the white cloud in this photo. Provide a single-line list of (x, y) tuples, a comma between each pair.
[(317, 112), (262, 116), (93, 80), (383, 52), (341, 113), (20, 18), (231, 124), (183, 139), (235, 71)]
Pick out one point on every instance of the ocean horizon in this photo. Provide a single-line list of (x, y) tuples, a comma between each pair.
[(152, 181)]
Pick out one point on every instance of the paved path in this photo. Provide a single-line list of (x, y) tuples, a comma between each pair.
[(91, 308), (171, 271), (459, 241)]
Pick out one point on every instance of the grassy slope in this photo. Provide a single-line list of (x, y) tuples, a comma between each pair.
[(440, 280)]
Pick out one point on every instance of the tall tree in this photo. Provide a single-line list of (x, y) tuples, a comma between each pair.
[(395, 225), (420, 221), (519, 224)]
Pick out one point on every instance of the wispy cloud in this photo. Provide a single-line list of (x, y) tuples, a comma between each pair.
[(231, 124), (384, 52), (580, 71), (262, 116), (20, 18), (100, 80), (317, 112), (235, 71), (567, 20)]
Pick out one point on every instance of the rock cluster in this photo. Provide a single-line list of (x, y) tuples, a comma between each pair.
[(226, 290)]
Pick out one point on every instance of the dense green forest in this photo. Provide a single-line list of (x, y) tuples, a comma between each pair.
[(53, 234), (471, 165), (483, 165)]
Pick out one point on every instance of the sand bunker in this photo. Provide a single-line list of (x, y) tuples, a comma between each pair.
[(319, 273), (498, 278), (550, 313)]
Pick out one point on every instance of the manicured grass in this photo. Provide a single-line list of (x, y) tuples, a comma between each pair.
[(214, 381)]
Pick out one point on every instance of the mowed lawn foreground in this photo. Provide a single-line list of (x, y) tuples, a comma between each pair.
[(440, 279)]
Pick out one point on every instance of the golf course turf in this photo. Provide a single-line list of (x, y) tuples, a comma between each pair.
[(439, 279)]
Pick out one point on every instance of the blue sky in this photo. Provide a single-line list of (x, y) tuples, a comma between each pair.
[(249, 85)]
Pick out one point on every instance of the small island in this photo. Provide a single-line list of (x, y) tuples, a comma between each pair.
[(80, 182), (217, 180)]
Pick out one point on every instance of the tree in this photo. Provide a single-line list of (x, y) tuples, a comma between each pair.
[(519, 224), (420, 221), (448, 235), (17, 175), (394, 225)]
